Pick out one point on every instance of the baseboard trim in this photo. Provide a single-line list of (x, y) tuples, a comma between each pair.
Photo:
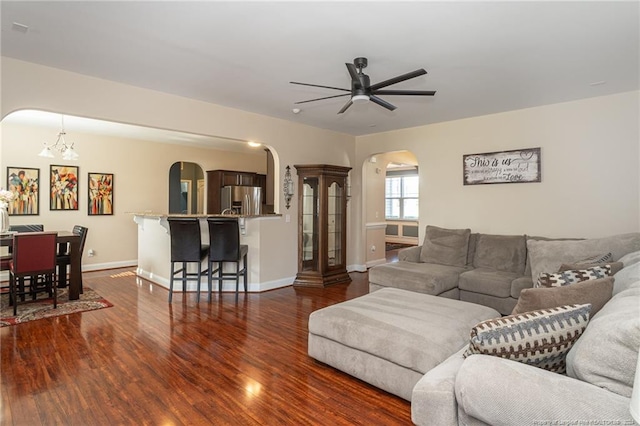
[(357, 268), (372, 263), (109, 265)]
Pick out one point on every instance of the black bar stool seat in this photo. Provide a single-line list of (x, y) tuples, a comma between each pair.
[(225, 247), (186, 248)]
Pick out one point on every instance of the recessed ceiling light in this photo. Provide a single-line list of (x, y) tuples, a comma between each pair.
[(597, 83), (253, 144), (296, 110)]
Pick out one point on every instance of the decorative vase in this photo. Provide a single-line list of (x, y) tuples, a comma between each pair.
[(4, 219)]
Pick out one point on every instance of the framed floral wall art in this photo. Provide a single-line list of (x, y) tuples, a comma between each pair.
[(63, 188), (24, 183), (100, 194)]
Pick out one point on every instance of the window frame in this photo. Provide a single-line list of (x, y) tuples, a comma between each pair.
[(401, 174)]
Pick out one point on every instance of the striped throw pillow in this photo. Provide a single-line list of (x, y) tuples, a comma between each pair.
[(539, 338)]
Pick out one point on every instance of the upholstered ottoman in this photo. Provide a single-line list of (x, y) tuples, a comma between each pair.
[(390, 338)]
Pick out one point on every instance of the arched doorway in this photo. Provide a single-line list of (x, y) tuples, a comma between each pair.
[(391, 201)]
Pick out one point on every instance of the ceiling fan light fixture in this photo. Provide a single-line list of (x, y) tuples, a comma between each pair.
[(359, 99)]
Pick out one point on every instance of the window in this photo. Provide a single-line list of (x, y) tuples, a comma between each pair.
[(401, 195)]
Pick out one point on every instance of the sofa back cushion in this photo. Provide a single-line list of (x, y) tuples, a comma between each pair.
[(445, 246), (629, 274), (527, 268), (607, 353), (548, 256), (506, 253)]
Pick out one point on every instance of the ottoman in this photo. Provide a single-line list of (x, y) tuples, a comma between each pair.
[(390, 338)]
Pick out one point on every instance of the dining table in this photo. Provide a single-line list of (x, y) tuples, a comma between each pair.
[(75, 273)]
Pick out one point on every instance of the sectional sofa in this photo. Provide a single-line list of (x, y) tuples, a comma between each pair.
[(486, 269), (418, 346)]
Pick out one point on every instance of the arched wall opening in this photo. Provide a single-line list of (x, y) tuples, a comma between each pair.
[(378, 229), (139, 158)]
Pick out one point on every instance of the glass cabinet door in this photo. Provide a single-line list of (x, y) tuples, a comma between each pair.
[(310, 212), (334, 225), (322, 211)]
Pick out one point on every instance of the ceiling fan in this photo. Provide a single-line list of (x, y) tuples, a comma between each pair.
[(362, 90)]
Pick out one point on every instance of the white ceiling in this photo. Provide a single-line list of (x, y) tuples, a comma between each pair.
[(481, 57)]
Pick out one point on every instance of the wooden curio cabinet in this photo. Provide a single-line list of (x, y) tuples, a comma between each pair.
[(322, 225)]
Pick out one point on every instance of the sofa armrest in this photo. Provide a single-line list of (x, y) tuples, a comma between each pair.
[(433, 401), (410, 254), (503, 392)]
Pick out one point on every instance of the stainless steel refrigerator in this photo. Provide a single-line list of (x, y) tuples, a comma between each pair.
[(245, 200)]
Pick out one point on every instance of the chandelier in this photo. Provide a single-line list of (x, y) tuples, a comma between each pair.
[(64, 147)]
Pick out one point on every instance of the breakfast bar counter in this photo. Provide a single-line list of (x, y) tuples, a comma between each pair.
[(267, 268)]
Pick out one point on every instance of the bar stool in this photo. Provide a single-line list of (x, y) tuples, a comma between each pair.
[(224, 246), (186, 247)]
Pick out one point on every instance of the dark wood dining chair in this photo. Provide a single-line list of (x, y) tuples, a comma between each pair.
[(33, 258), (186, 248), (64, 256), (225, 247)]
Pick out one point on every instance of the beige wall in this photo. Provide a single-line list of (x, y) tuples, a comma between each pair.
[(141, 182), (590, 155), (30, 86), (590, 170)]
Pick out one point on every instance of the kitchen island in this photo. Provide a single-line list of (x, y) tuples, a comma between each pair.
[(267, 268)]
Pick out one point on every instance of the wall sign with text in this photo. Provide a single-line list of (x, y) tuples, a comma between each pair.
[(517, 166)]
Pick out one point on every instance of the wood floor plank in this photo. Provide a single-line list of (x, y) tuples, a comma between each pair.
[(145, 362)]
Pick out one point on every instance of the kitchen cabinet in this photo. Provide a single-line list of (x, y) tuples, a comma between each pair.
[(216, 179), (322, 225)]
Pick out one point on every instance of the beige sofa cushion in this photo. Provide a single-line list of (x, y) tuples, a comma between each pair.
[(607, 352), (428, 278), (501, 252), (445, 246), (487, 281), (548, 256), (520, 284)]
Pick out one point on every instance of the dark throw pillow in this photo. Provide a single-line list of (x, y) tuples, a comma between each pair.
[(595, 292)]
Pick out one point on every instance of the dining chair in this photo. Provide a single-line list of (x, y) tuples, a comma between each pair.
[(225, 247), (186, 248), (4, 260), (64, 256), (34, 257)]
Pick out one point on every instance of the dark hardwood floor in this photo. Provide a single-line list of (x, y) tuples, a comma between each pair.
[(146, 362)]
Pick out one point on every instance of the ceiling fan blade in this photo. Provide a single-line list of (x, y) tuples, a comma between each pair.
[(405, 92), (319, 99), (398, 79), (318, 85), (382, 102), (345, 107), (354, 74)]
